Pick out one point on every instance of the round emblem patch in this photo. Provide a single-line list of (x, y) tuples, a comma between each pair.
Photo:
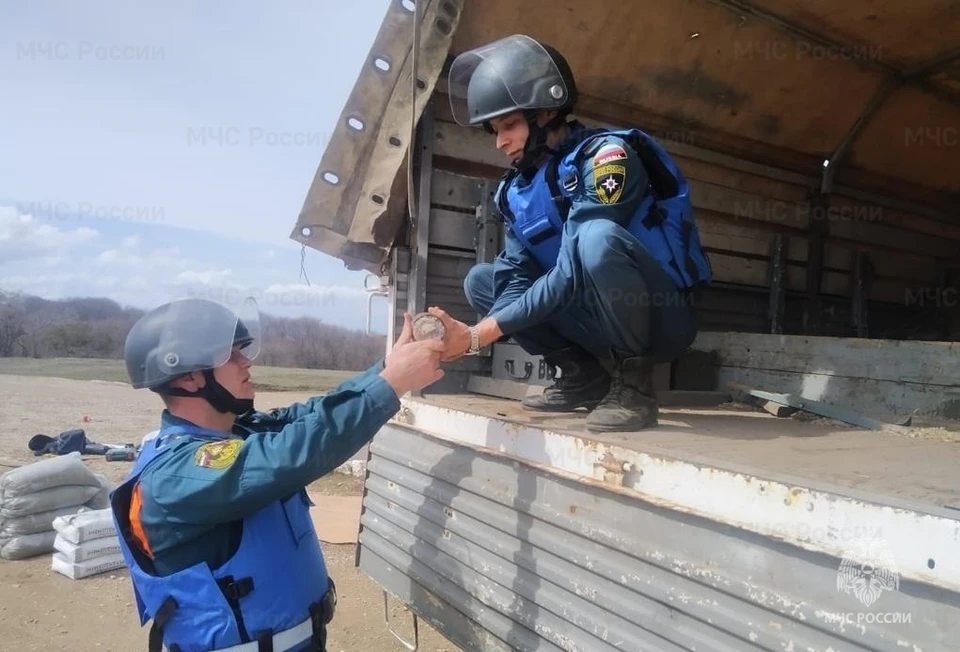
[(218, 454)]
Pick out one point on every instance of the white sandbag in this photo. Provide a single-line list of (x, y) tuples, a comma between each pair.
[(48, 499), (85, 525), (30, 545), (82, 569), (32, 523), (66, 469), (92, 549)]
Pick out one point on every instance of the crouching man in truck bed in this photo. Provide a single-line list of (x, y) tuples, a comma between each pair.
[(602, 260)]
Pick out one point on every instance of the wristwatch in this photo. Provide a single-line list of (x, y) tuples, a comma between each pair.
[(474, 341)]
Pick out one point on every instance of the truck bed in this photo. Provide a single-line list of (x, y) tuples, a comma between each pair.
[(820, 486), (822, 453), (723, 529)]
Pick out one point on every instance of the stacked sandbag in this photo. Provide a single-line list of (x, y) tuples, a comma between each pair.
[(32, 496), (86, 544)]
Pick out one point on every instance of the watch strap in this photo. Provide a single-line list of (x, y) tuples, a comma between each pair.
[(474, 341)]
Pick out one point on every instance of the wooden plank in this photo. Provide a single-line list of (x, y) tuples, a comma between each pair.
[(798, 215), (819, 408), (445, 297), (699, 170), (898, 361), (450, 139), (846, 206), (882, 398), (748, 206), (754, 238), (452, 229), (890, 238), (450, 189), (449, 267)]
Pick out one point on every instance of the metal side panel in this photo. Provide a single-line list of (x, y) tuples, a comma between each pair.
[(357, 200), (498, 554)]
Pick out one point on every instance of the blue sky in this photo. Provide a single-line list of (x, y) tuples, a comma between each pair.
[(183, 135)]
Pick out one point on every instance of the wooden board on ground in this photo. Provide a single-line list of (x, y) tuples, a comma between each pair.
[(336, 518)]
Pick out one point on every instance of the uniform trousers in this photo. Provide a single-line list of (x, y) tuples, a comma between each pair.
[(629, 306)]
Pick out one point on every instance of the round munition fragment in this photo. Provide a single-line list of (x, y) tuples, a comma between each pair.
[(427, 327)]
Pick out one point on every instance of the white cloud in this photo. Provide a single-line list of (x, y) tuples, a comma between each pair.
[(132, 242), (208, 277), (24, 236), (149, 268), (130, 252)]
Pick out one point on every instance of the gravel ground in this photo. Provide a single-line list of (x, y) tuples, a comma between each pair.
[(42, 611)]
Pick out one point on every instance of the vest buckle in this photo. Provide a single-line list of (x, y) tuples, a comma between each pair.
[(235, 590)]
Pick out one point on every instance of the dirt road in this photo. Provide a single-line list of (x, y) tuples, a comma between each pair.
[(41, 611)]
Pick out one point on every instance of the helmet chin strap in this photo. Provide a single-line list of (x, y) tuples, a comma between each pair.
[(216, 395), (536, 144)]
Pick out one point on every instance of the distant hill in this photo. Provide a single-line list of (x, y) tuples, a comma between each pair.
[(97, 327)]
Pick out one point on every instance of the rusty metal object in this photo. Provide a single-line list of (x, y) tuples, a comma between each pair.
[(427, 326)]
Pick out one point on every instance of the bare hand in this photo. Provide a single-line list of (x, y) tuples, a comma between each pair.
[(457, 338), (411, 365)]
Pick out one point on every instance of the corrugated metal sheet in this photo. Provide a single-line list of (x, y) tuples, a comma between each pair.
[(499, 555)]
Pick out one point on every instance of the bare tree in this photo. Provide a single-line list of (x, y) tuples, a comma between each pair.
[(98, 327), (12, 320)]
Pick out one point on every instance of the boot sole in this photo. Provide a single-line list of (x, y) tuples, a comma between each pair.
[(590, 405), (628, 427)]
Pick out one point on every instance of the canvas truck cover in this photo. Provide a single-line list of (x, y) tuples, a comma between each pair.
[(857, 98)]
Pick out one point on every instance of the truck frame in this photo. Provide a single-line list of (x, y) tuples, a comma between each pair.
[(801, 492)]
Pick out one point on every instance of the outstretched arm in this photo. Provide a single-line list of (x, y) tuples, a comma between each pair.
[(203, 482), (613, 183), (278, 417)]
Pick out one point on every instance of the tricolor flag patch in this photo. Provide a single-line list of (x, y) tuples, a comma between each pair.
[(609, 173), (609, 153)]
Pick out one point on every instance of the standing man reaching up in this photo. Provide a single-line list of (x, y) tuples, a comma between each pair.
[(214, 519)]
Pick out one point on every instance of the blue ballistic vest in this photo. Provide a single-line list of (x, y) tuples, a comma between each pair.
[(276, 580), (663, 221)]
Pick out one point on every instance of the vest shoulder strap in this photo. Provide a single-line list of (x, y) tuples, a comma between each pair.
[(561, 201), (501, 204)]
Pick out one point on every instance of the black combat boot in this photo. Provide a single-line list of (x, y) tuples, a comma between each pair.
[(582, 383), (631, 403)]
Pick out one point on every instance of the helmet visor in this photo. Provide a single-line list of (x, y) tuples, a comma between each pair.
[(248, 333), (196, 335), (510, 74)]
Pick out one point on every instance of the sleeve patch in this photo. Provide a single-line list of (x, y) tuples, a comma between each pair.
[(609, 153), (218, 454), (609, 173)]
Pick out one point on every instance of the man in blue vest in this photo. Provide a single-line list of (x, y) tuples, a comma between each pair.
[(602, 260), (214, 519)]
